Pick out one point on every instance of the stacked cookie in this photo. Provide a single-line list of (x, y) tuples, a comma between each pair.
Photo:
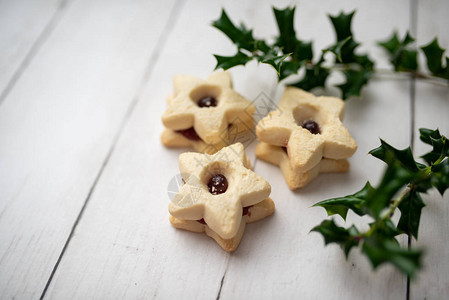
[(305, 137), (220, 196), (206, 115)]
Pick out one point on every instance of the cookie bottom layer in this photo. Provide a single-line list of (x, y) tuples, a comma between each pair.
[(277, 156), (255, 213), (235, 132)]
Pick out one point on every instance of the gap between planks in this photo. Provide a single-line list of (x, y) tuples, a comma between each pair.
[(165, 33), (413, 29), (34, 49)]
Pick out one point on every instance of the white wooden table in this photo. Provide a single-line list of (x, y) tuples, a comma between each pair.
[(83, 176)]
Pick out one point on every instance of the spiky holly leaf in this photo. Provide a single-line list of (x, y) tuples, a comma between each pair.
[(227, 62), (303, 51), (341, 205), (337, 48), (314, 77), (402, 56), (440, 176), (410, 209), (285, 22), (342, 25), (404, 156), (439, 143), (434, 56), (332, 233), (355, 80), (380, 250), (240, 36), (289, 68), (276, 62), (391, 44), (393, 180)]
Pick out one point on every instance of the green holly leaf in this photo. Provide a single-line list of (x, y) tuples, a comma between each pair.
[(391, 44), (402, 56), (341, 205), (426, 134), (439, 143), (332, 233), (394, 179), (276, 62), (355, 80), (380, 250), (289, 68), (240, 36), (227, 62), (440, 176), (404, 156), (410, 209), (434, 56), (285, 21), (364, 61), (314, 77), (337, 48), (303, 51), (342, 25)]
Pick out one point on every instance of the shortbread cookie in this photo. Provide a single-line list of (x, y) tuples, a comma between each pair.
[(278, 156), (310, 127), (206, 110), (222, 192), (236, 132), (250, 214)]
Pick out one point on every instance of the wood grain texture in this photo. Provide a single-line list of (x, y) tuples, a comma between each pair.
[(57, 126), (432, 107), (24, 25)]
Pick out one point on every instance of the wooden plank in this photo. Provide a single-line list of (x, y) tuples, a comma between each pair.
[(58, 125), (432, 105), (124, 245), (24, 25), (133, 251)]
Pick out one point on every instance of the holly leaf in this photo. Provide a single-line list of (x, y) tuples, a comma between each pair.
[(285, 21), (391, 44), (240, 36), (355, 80), (402, 56), (227, 62), (337, 48), (410, 209), (314, 77), (342, 25), (380, 250), (332, 233), (341, 205), (440, 176), (404, 156), (434, 56), (439, 143), (394, 178), (289, 68), (276, 62)]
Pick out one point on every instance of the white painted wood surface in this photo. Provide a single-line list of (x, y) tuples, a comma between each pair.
[(83, 176)]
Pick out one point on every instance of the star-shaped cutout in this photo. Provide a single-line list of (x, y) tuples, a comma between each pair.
[(221, 212), (209, 122), (283, 127)]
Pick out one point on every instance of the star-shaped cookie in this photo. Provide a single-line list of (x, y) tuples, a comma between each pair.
[(222, 208), (278, 156), (206, 107), (309, 127)]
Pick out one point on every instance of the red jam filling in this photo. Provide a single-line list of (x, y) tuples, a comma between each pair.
[(245, 212), (189, 133)]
